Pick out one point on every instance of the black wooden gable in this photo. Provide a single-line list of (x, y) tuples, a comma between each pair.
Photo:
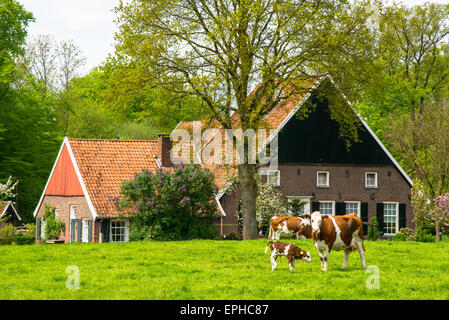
[(315, 139)]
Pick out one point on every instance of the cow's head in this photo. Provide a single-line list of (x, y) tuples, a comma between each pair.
[(316, 220), (304, 255)]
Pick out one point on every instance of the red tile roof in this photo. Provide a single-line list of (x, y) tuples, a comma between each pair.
[(105, 164), (272, 121)]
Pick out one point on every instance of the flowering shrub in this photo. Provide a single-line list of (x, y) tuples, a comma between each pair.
[(439, 216), (53, 226), (7, 189), (178, 204)]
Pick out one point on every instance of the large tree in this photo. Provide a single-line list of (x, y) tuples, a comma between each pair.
[(218, 50)]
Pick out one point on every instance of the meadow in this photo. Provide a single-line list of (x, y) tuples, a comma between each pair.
[(219, 270)]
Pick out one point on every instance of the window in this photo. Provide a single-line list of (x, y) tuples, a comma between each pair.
[(390, 218), (352, 207), (85, 231), (56, 213), (118, 231), (72, 211), (298, 205), (274, 177), (327, 207), (322, 179), (371, 180)]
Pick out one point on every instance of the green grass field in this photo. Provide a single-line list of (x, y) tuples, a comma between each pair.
[(219, 270)]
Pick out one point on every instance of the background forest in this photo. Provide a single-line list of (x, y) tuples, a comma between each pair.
[(398, 80)]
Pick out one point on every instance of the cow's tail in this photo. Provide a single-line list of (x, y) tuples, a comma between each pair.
[(268, 244)]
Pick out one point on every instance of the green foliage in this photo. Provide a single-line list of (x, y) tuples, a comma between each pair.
[(25, 239), (31, 229), (8, 230), (177, 205), (373, 230), (53, 226)]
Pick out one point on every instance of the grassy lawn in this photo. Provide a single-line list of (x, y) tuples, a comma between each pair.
[(219, 270)]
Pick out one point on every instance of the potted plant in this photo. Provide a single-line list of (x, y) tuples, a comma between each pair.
[(53, 226)]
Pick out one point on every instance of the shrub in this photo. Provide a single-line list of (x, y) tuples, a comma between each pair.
[(179, 205), (408, 233), (31, 229), (399, 237), (23, 239), (373, 230), (53, 226), (8, 231)]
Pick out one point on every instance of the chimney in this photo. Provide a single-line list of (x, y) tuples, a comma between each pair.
[(164, 147)]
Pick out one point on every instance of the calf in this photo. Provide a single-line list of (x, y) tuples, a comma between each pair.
[(299, 226), (291, 251), (339, 233)]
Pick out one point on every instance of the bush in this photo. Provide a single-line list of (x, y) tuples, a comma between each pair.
[(21, 239), (179, 205), (373, 230), (53, 226), (31, 230), (409, 234), (8, 231), (399, 237), (6, 240)]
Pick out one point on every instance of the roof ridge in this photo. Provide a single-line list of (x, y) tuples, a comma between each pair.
[(111, 140)]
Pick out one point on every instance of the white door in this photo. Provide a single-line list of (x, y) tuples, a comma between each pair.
[(72, 217)]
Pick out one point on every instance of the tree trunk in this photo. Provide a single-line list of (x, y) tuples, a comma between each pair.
[(437, 232), (248, 189)]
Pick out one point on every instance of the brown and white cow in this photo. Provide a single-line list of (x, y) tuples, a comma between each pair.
[(290, 250), (338, 233), (296, 225)]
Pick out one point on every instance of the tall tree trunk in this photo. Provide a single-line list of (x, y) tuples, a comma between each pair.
[(248, 189)]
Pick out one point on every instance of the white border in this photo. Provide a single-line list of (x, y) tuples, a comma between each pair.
[(333, 206), (366, 180), (397, 217), (327, 180), (359, 207), (15, 211), (278, 184)]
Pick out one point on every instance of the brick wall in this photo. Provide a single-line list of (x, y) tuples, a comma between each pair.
[(63, 204), (347, 183)]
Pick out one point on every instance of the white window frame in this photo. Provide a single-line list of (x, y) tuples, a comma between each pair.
[(125, 228), (278, 172), (397, 218), (366, 180), (307, 206), (318, 180), (358, 206), (333, 207), (57, 213)]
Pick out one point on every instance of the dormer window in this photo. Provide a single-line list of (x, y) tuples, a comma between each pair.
[(371, 180)]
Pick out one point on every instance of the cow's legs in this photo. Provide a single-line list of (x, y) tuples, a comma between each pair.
[(273, 261), (359, 243), (291, 263), (326, 257), (347, 252)]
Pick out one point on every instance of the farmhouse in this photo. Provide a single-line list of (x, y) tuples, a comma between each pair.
[(86, 179), (8, 213), (316, 167)]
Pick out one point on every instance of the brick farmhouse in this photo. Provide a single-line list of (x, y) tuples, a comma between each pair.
[(315, 167)]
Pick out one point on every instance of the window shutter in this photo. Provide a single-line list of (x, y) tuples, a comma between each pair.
[(105, 224), (72, 230), (80, 229), (340, 209), (38, 228), (89, 234), (402, 216), (380, 216), (364, 216), (315, 206)]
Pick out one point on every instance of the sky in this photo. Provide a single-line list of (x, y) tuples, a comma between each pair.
[(90, 24)]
